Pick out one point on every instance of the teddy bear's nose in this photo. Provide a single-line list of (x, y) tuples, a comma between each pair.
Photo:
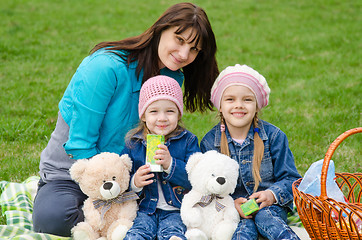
[(220, 180), (107, 185)]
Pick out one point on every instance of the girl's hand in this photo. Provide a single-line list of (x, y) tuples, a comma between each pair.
[(237, 203), (163, 156), (266, 198), (142, 176)]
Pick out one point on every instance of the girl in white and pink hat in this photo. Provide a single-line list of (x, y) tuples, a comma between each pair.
[(267, 169), (160, 109)]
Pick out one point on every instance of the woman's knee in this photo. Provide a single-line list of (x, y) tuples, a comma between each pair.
[(53, 221), (55, 211)]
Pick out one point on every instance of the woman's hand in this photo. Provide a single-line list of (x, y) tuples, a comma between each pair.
[(142, 176), (237, 203), (265, 198), (163, 156)]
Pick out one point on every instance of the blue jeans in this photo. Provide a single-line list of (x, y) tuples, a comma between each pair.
[(58, 207), (161, 225), (269, 222)]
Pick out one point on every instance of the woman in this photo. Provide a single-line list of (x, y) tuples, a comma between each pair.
[(100, 104)]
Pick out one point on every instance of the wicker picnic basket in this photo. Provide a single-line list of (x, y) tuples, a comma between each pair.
[(325, 218)]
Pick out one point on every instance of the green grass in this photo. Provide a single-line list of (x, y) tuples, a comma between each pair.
[(309, 52)]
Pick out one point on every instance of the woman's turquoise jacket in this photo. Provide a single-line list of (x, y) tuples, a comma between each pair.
[(100, 104)]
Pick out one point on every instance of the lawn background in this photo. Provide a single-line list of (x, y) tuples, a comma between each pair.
[(309, 52)]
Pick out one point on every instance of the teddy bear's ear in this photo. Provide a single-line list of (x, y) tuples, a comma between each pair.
[(77, 169), (193, 160), (127, 161)]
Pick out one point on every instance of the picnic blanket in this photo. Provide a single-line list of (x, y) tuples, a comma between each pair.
[(16, 202)]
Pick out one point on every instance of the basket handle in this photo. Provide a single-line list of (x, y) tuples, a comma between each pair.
[(328, 157)]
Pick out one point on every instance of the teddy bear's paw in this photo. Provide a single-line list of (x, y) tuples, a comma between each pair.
[(175, 238), (193, 218), (195, 234), (196, 222), (224, 231), (81, 235), (83, 231), (119, 232)]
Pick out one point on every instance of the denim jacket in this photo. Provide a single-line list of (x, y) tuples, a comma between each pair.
[(175, 184), (277, 171)]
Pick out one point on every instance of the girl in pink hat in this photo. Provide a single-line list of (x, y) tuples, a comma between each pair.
[(267, 169), (160, 109)]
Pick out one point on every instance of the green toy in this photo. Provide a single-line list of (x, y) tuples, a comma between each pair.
[(249, 207), (153, 141)]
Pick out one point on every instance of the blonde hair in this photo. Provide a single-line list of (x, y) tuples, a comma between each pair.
[(258, 149)]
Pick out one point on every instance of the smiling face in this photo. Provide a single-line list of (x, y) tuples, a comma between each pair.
[(161, 117), (238, 107), (176, 51)]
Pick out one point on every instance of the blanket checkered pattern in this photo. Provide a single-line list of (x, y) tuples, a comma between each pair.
[(16, 202)]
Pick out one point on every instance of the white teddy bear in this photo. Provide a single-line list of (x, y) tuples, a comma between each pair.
[(208, 210)]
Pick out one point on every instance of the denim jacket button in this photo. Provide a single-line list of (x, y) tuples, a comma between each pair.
[(164, 182), (243, 162), (170, 202), (154, 180)]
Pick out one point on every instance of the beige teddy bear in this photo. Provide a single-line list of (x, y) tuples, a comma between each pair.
[(109, 210), (208, 210)]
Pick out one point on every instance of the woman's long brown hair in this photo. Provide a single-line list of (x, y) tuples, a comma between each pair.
[(199, 75)]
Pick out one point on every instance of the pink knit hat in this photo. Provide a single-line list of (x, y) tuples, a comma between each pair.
[(241, 75), (157, 88)]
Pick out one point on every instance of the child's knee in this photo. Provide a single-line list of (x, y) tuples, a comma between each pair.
[(246, 230), (268, 213)]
